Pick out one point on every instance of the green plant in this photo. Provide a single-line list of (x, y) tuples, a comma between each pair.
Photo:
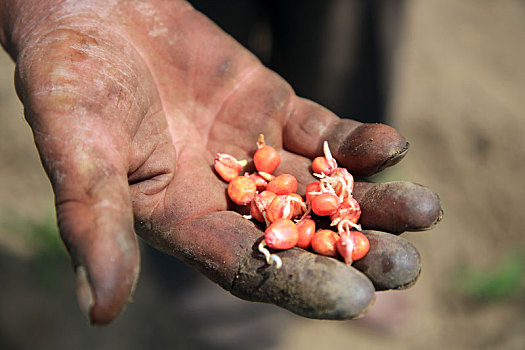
[(503, 281), (41, 237)]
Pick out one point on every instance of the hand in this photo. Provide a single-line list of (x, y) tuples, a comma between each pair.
[(130, 102)]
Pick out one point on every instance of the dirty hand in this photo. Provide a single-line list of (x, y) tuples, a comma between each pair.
[(129, 102)]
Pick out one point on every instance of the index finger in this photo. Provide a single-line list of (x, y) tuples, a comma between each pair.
[(364, 149)]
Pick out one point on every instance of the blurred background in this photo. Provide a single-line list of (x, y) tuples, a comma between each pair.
[(453, 84)]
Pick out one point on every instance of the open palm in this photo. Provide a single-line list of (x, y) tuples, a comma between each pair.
[(129, 103)]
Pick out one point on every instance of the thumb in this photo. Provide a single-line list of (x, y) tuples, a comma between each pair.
[(96, 224), (95, 219)]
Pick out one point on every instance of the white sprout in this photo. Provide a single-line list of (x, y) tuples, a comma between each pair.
[(266, 176), (327, 153), (270, 258), (347, 222), (298, 201), (288, 208)]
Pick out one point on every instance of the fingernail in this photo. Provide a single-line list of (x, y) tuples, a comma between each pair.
[(396, 158), (84, 292)]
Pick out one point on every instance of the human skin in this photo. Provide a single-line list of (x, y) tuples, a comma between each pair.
[(129, 101)]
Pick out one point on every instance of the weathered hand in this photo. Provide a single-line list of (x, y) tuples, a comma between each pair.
[(129, 102)]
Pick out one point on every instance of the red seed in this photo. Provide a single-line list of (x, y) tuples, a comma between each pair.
[(260, 204), (227, 166), (283, 184), (266, 158), (325, 204), (324, 242), (241, 190), (312, 190), (347, 177), (361, 245), (306, 228), (280, 208), (298, 204), (282, 234), (321, 165), (349, 210), (260, 182)]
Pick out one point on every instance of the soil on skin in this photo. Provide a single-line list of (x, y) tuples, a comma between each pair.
[(458, 100)]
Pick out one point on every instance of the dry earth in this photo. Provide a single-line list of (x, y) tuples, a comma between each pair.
[(459, 100)]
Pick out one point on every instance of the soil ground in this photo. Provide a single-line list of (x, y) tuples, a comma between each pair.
[(459, 100)]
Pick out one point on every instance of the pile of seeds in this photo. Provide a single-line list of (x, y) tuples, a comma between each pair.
[(288, 217)]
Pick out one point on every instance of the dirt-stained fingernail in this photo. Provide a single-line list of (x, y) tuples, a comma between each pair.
[(396, 158), (84, 292)]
